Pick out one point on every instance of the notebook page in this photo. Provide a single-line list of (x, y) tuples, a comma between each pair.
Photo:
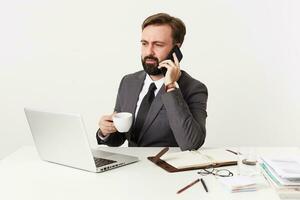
[(185, 159), (219, 155), (198, 158)]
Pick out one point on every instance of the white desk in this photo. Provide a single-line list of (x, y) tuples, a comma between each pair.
[(24, 176)]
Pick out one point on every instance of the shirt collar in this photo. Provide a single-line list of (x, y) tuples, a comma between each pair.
[(157, 83)]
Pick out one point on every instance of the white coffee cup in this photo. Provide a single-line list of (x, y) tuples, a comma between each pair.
[(122, 121)]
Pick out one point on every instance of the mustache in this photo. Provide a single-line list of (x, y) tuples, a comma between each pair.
[(150, 57)]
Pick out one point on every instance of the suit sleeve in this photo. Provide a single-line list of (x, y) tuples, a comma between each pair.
[(114, 139), (187, 117)]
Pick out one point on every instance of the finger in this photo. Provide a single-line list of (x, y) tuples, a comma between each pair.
[(112, 129), (104, 120), (179, 74), (169, 67), (108, 129), (169, 62), (107, 117), (108, 124), (165, 65), (176, 59)]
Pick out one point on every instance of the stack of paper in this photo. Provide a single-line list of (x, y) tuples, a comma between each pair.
[(283, 173), (239, 183)]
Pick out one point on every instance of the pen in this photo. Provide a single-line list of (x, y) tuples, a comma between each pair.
[(236, 153), (188, 186), (204, 185)]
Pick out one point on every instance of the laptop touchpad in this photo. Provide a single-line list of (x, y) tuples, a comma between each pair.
[(101, 154)]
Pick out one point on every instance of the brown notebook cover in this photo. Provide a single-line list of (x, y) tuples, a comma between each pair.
[(169, 168)]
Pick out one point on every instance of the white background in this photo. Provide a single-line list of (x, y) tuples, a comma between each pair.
[(69, 56)]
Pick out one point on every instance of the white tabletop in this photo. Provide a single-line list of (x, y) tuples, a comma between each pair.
[(24, 176)]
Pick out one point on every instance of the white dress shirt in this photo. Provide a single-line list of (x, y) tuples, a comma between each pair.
[(147, 83)]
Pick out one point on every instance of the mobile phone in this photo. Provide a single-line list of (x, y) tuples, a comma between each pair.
[(178, 54)]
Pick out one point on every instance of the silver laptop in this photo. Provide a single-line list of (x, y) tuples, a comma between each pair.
[(61, 138)]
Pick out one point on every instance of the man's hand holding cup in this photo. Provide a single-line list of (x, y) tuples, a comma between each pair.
[(120, 122)]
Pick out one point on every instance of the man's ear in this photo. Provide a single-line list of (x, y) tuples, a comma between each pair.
[(178, 44)]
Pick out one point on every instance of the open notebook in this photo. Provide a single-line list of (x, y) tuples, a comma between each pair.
[(190, 160)]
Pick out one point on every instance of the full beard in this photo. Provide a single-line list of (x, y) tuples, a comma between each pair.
[(149, 68)]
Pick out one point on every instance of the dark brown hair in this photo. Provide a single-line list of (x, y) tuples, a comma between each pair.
[(178, 27)]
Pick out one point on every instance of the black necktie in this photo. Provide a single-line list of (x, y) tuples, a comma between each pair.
[(143, 111)]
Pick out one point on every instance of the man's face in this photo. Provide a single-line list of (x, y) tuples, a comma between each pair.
[(156, 43)]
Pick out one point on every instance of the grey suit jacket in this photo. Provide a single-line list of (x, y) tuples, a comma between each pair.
[(176, 118)]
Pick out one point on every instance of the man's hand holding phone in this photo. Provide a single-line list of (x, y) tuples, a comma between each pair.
[(173, 70)]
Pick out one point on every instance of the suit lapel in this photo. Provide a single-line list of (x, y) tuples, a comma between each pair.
[(133, 95), (153, 111), (135, 90)]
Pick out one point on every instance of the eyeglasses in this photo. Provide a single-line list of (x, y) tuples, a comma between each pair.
[(216, 172)]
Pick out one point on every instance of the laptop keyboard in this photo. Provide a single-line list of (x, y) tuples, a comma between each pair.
[(101, 162)]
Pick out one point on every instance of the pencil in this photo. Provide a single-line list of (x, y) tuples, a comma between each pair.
[(188, 186)]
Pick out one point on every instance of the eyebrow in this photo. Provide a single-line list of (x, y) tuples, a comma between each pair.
[(156, 42)]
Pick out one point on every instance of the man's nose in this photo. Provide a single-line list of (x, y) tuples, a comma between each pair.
[(149, 50)]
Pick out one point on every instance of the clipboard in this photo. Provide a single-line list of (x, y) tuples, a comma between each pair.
[(169, 168)]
